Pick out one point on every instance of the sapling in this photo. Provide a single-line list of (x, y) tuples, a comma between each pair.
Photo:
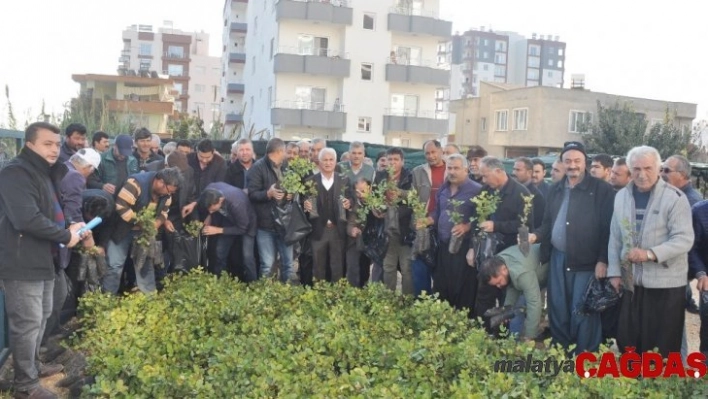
[(524, 245), (455, 218)]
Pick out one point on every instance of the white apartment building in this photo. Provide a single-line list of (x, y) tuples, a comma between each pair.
[(363, 70), (184, 56), (233, 61)]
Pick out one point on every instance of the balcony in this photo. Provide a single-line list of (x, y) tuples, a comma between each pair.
[(233, 118), (419, 22), (309, 114), (338, 12), (325, 62), (421, 122), (175, 56), (141, 107), (239, 27), (237, 58), (400, 69), (237, 88)]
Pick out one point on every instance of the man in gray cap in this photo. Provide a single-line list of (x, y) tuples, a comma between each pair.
[(574, 236), (116, 165)]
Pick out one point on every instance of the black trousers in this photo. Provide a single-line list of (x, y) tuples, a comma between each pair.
[(454, 280), (609, 319), (652, 318)]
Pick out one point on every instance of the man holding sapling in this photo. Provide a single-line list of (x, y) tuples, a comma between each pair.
[(574, 237), (396, 181), (455, 280), (523, 172), (650, 237), (504, 223), (427, 180), (329, 226), (142, 195)]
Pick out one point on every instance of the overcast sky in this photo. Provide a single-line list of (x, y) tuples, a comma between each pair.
[(653, 50)]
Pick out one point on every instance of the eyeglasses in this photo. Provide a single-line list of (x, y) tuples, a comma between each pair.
[(666, 170)]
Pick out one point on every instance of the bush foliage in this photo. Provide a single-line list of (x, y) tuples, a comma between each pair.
[(219, 338)]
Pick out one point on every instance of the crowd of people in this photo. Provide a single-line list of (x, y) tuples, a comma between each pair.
[(635, 222)]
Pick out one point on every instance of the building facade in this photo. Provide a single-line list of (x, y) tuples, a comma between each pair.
[(366, 70), (132, 100), (505, 57), (529, 121), (184, 57)]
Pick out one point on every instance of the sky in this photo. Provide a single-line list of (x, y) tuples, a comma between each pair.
[(653, 50)]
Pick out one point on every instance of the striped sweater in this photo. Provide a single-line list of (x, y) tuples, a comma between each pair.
[(127, 204)]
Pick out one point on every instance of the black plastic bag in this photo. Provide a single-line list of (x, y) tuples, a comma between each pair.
[(186, 251), (599, 295), (291, 221), (375, 241), (430, 255), (485, 247)]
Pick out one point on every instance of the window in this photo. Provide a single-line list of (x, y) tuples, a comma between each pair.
[(500, 58), (532, 74), (404, 105), (577, 120), (534, 62), (407, 55), (500, 45), (499, 70), (501, 120), (272, 44), (369, 21), (366, 69), (560, 52), (484, 124), (520, 118), (534, 50), (145, 49), (175, 70), (485, 67), (364, 124), (179, 88), (560, 64), (486, 42), (550, 62), (199, 88), (485, 55), (550, 74), (310, 98), (175, 51), (311, 45)]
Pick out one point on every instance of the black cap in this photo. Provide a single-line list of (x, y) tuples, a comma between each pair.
[(573, 145)]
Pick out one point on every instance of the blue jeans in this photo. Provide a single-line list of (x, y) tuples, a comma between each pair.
[(516, 325), (224, 243), (421, 277), (28, 305), (565, 294), (117, 253), (268, 242)]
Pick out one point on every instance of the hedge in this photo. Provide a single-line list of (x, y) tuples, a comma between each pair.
[(219, 338)]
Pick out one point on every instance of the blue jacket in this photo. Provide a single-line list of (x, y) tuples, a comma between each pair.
[(698, 256), (441, 216)]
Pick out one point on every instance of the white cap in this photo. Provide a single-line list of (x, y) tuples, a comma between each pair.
[(90, 155)]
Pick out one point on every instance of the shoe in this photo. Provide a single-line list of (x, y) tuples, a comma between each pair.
[(48, 370), (37, 393), (692, 307)]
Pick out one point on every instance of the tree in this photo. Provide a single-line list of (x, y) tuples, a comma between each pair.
[(616, 130), (11, 120), (669, 138), (187, 127)]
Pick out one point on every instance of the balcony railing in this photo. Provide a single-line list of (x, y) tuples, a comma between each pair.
[(308, 105), (320, 52), (175, 55), (414, 12), (183, 73), (414, 113), (336, 3), (402, 60)]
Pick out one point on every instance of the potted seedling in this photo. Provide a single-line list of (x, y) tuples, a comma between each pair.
[(524, 245), (292, 182), (455, 218), (485, 205), (144, 242), (630, 241), (194, 228), (420, 216)]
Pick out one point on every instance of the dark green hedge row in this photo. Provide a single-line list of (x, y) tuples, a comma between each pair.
[(218, 338)]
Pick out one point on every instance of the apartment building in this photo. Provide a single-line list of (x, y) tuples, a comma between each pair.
[(362, 70), (134, 100), (511, 121), (184, 57), (233, 61), (505, 57)]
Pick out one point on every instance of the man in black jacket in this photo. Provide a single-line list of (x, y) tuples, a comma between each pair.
[(74, 141), (263, 179), (230, 217), (399, 231), (238, 167), (32, 226), (574, 236), (328, 226), (209, 167)]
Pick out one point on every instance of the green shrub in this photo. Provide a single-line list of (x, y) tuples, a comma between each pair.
[(218, 338)]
